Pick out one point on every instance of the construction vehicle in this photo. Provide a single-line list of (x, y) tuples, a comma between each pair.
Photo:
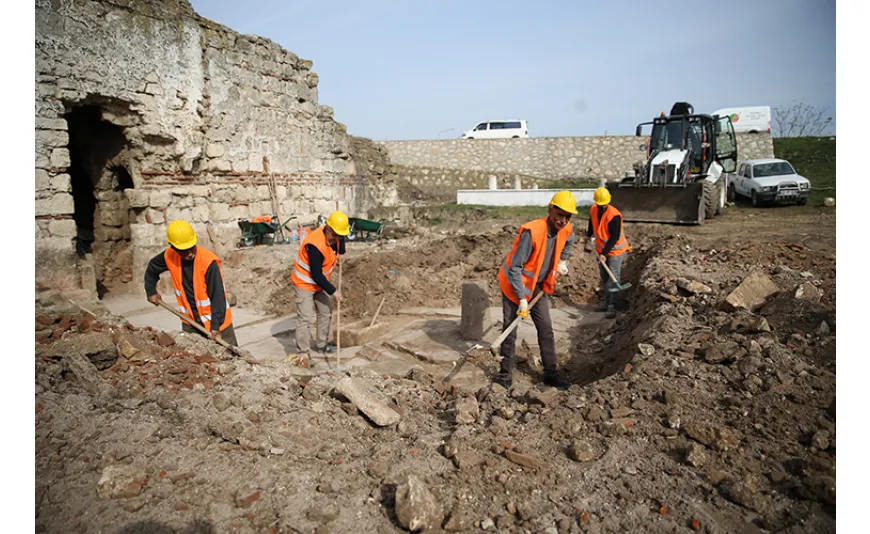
[(684, 177)]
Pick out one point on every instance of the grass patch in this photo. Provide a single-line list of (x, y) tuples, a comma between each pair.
[(814, 158)]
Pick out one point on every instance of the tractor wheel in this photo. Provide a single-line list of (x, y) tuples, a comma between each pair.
[(720, 205), (711, 199)]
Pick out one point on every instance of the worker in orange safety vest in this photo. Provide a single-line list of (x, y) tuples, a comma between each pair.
[(315, 263), (540, 251), (607, 237), (197, 280)]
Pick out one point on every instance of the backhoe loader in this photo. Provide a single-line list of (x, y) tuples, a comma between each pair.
[(684, 177)]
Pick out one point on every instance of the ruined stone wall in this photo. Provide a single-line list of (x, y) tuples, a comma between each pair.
[(207, 118), (544, 158)]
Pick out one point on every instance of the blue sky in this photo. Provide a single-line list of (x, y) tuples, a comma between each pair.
[(396, 69)]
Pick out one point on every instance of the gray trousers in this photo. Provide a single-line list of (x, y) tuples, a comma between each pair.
[(310, 307), (540, 314), (615, 265)]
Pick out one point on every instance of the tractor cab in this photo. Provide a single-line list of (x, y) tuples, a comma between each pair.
[(700, 138)]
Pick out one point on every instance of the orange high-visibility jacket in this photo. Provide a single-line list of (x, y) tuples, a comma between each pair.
[(532, 268), (301, 276), (201, 262), (601, 234)]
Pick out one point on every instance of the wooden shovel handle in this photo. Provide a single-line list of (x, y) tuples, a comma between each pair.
[(498, 341), (194, 324)]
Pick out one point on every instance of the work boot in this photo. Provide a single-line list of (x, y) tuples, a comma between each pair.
[(611, 312), (602, 306), (552, 378), (503, 380), (329, 348)]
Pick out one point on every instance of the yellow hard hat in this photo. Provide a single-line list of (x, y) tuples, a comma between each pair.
[(338, 222), (180, 235), (601, 196), (565, 200)]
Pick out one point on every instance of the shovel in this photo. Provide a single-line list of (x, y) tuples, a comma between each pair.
[(617, 286), (493, 346), (241, 353)]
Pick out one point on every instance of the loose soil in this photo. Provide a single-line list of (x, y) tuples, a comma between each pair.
[(681, 416)]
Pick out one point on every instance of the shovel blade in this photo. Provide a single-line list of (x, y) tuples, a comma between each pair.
[(621, 287)]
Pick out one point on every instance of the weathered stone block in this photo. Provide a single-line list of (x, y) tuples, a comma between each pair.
[(155, 216), (255, 162), (138, 198), (52, 138), (62, 228), (214, 150), (59, 204), (751, 293), (200, 214), (360, 333), (240, 212), (45, 123), (475, 319), (43, 181), (54, 244), (174, 214), (59, 158), (218, 211), (807, 291), (62, 183), (114, 217), (160, 199), (218, 165), (379, 412)]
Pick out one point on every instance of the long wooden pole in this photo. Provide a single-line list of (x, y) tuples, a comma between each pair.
[(338, 322), (375, 318)]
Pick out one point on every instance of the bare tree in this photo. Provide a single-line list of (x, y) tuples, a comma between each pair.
[(800, 120)]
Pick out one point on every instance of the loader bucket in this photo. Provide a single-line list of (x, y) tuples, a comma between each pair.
[(676, 205)]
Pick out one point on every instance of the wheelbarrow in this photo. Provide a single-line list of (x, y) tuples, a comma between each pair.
[(365, 230), (262, 231)]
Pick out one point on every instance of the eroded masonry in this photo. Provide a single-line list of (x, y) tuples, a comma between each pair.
[(147, 112)]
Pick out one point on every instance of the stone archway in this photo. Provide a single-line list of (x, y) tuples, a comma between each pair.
[(99, 177)]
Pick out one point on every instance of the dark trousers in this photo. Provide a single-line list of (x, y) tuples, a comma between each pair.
[(540, 313), (228, 334), (615, 265)]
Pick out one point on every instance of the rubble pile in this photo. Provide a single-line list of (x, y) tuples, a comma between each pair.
[(685, 414)]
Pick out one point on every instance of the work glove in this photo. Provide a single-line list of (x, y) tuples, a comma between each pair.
[(562, 268), (523, 311)]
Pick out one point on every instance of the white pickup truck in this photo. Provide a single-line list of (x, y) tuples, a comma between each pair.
[(768, 180)]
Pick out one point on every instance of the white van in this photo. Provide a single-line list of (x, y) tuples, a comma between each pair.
[(498, 130), (752, 119)]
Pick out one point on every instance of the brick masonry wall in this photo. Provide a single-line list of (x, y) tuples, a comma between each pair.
[(208, 116)]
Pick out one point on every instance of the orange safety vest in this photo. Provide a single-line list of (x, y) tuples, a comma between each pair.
[(201, 262), (533, 266), (601, 234), (301, 275)]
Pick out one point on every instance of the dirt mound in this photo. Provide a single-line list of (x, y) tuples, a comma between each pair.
[(683, 416)]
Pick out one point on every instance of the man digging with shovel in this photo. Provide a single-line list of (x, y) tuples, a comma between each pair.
[(530, 268), (606, 235), (197, 280)]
